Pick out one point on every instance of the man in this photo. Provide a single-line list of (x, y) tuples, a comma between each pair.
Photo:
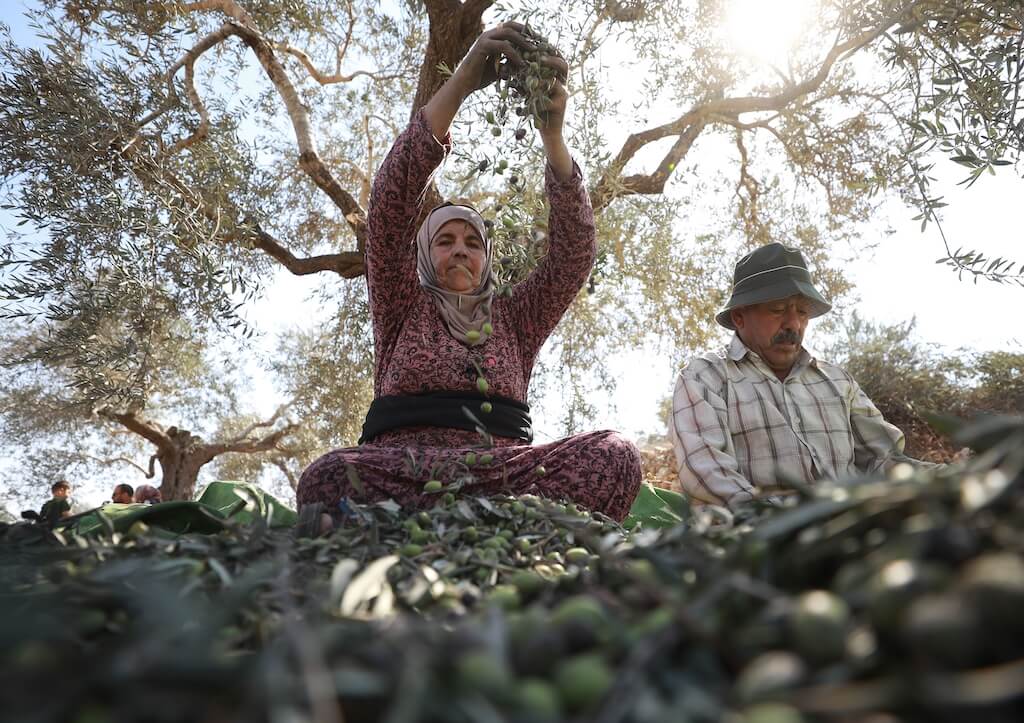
[(122, 494), (766, 410), (58, 507)]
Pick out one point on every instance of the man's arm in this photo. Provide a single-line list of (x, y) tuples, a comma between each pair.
[(878, 445), (705, 457)]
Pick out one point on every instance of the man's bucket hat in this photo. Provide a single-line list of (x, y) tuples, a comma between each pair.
[(770, 273)]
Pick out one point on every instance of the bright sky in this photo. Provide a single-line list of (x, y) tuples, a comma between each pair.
[(895, 282)]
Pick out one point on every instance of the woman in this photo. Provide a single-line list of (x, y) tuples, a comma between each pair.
[(148, 494), (439, 330)]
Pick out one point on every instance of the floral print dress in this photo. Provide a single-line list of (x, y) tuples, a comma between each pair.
[(415, 353)]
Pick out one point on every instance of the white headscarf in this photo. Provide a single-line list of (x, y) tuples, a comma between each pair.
[(462, 313)]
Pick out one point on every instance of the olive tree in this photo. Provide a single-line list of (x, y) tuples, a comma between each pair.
[(183, 413), (202, 144)]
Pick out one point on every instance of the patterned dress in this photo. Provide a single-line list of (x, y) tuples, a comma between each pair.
[(415, 353)]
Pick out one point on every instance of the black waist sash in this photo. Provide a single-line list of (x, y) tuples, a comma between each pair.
[(507, 418)]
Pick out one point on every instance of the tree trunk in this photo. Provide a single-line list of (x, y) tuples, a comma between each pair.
[(454, 27), (180, 463)]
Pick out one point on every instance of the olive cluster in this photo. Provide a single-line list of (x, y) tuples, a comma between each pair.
[(525, 89)]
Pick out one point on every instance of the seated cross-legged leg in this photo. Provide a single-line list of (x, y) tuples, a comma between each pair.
[(598, 470)]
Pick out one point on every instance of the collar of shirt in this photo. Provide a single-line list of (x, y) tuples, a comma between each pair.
[(738, 350)]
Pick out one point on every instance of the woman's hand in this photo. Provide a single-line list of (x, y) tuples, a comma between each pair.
[(480, 66), (554, 118), (477, 70)]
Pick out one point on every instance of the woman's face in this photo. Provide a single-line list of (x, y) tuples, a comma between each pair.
[(458, 255)]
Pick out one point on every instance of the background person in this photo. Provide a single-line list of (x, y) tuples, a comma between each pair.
[(123, 494), (58, 507), (148, 494)]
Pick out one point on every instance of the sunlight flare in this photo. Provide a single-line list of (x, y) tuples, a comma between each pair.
[(767, 30)]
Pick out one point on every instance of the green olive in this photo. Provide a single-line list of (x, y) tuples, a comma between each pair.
[(410, 550), (472, 336), (433, 485), (504, 596), (470, 458), (486, 407), (527, 581), (481, 672), (582, 610), (538, 699), (819, 625), (583, 681), (577, 555), (771, 713), (495, 131), (482, 385)]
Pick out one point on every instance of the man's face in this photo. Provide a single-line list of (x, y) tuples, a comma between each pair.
[(121, 496), (62, 492), (774, 330)]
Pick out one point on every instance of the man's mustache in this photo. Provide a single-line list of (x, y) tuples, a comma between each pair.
[(786, 336)]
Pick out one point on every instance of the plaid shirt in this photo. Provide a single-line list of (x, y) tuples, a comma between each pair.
[(737, 430)]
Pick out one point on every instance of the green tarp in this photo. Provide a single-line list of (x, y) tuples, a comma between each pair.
[(218, 503), (244, 503), (656, 508)]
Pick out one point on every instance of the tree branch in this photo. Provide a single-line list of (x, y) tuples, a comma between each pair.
[(249, 446), (347, 264), (188, 62), (147, 430), (337, 76), (292, 479), (114, 460), (309, 159), (611, 186), (690, 124), (243, 25), (228, 7), (260, 425)]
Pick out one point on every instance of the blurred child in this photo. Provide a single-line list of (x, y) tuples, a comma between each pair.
[(58, 507)]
